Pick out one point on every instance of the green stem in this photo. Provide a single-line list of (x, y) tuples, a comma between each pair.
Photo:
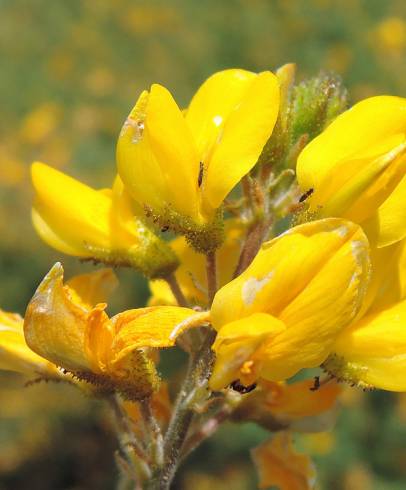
[(196, 378), (129, 445), (205, 431), (154, 432)]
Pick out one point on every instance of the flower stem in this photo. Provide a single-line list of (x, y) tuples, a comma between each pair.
[(252, 244), (211, 270), (206, 431), (192, 389), (176, 290), (154, 431), (129, 445)]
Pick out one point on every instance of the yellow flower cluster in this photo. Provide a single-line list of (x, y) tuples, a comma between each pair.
[(329, 291)]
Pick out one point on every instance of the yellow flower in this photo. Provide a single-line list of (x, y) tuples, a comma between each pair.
[(15, 355), (285, 310), (356, 168), (63, 326), (78, 220), (372, 351), (191, 274), (279, 465), (181, 166)]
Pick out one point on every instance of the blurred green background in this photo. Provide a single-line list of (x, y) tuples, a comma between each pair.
[(70, 72)]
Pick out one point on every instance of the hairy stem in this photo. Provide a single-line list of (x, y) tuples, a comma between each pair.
[(136, 458), (154, 432), (205, 431), (193, 386)]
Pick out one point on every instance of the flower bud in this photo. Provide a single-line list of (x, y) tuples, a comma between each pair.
[(315, 103)]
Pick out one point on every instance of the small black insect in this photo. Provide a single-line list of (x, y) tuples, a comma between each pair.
[(306, 195), (237, 386), (316, 385), (201, 171), (165, 228)]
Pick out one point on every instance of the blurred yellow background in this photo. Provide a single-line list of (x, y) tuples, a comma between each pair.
[(70, 72)]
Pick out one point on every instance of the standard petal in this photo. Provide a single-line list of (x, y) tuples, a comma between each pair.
[(369, 129), (372, 352), (212, 104), (156, 155), (75, 213), (137, 164), (321, 311), (286, 266), (243, 137), (55, 326)]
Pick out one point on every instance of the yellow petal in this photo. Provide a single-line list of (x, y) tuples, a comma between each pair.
[(94, 287), (98, 338), (313, 278), (365, 191), (81, 221), (15, 355), (132, 242), (351, 136), (372, 352), (239, 349), (157, 157), (284, 267), (55, 326), (51, 238), (75, 213), (155, 327), (320, 312), (245, 132), (382, 186), (388, 224), (161, 294), (278, 464), (212, 104)]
